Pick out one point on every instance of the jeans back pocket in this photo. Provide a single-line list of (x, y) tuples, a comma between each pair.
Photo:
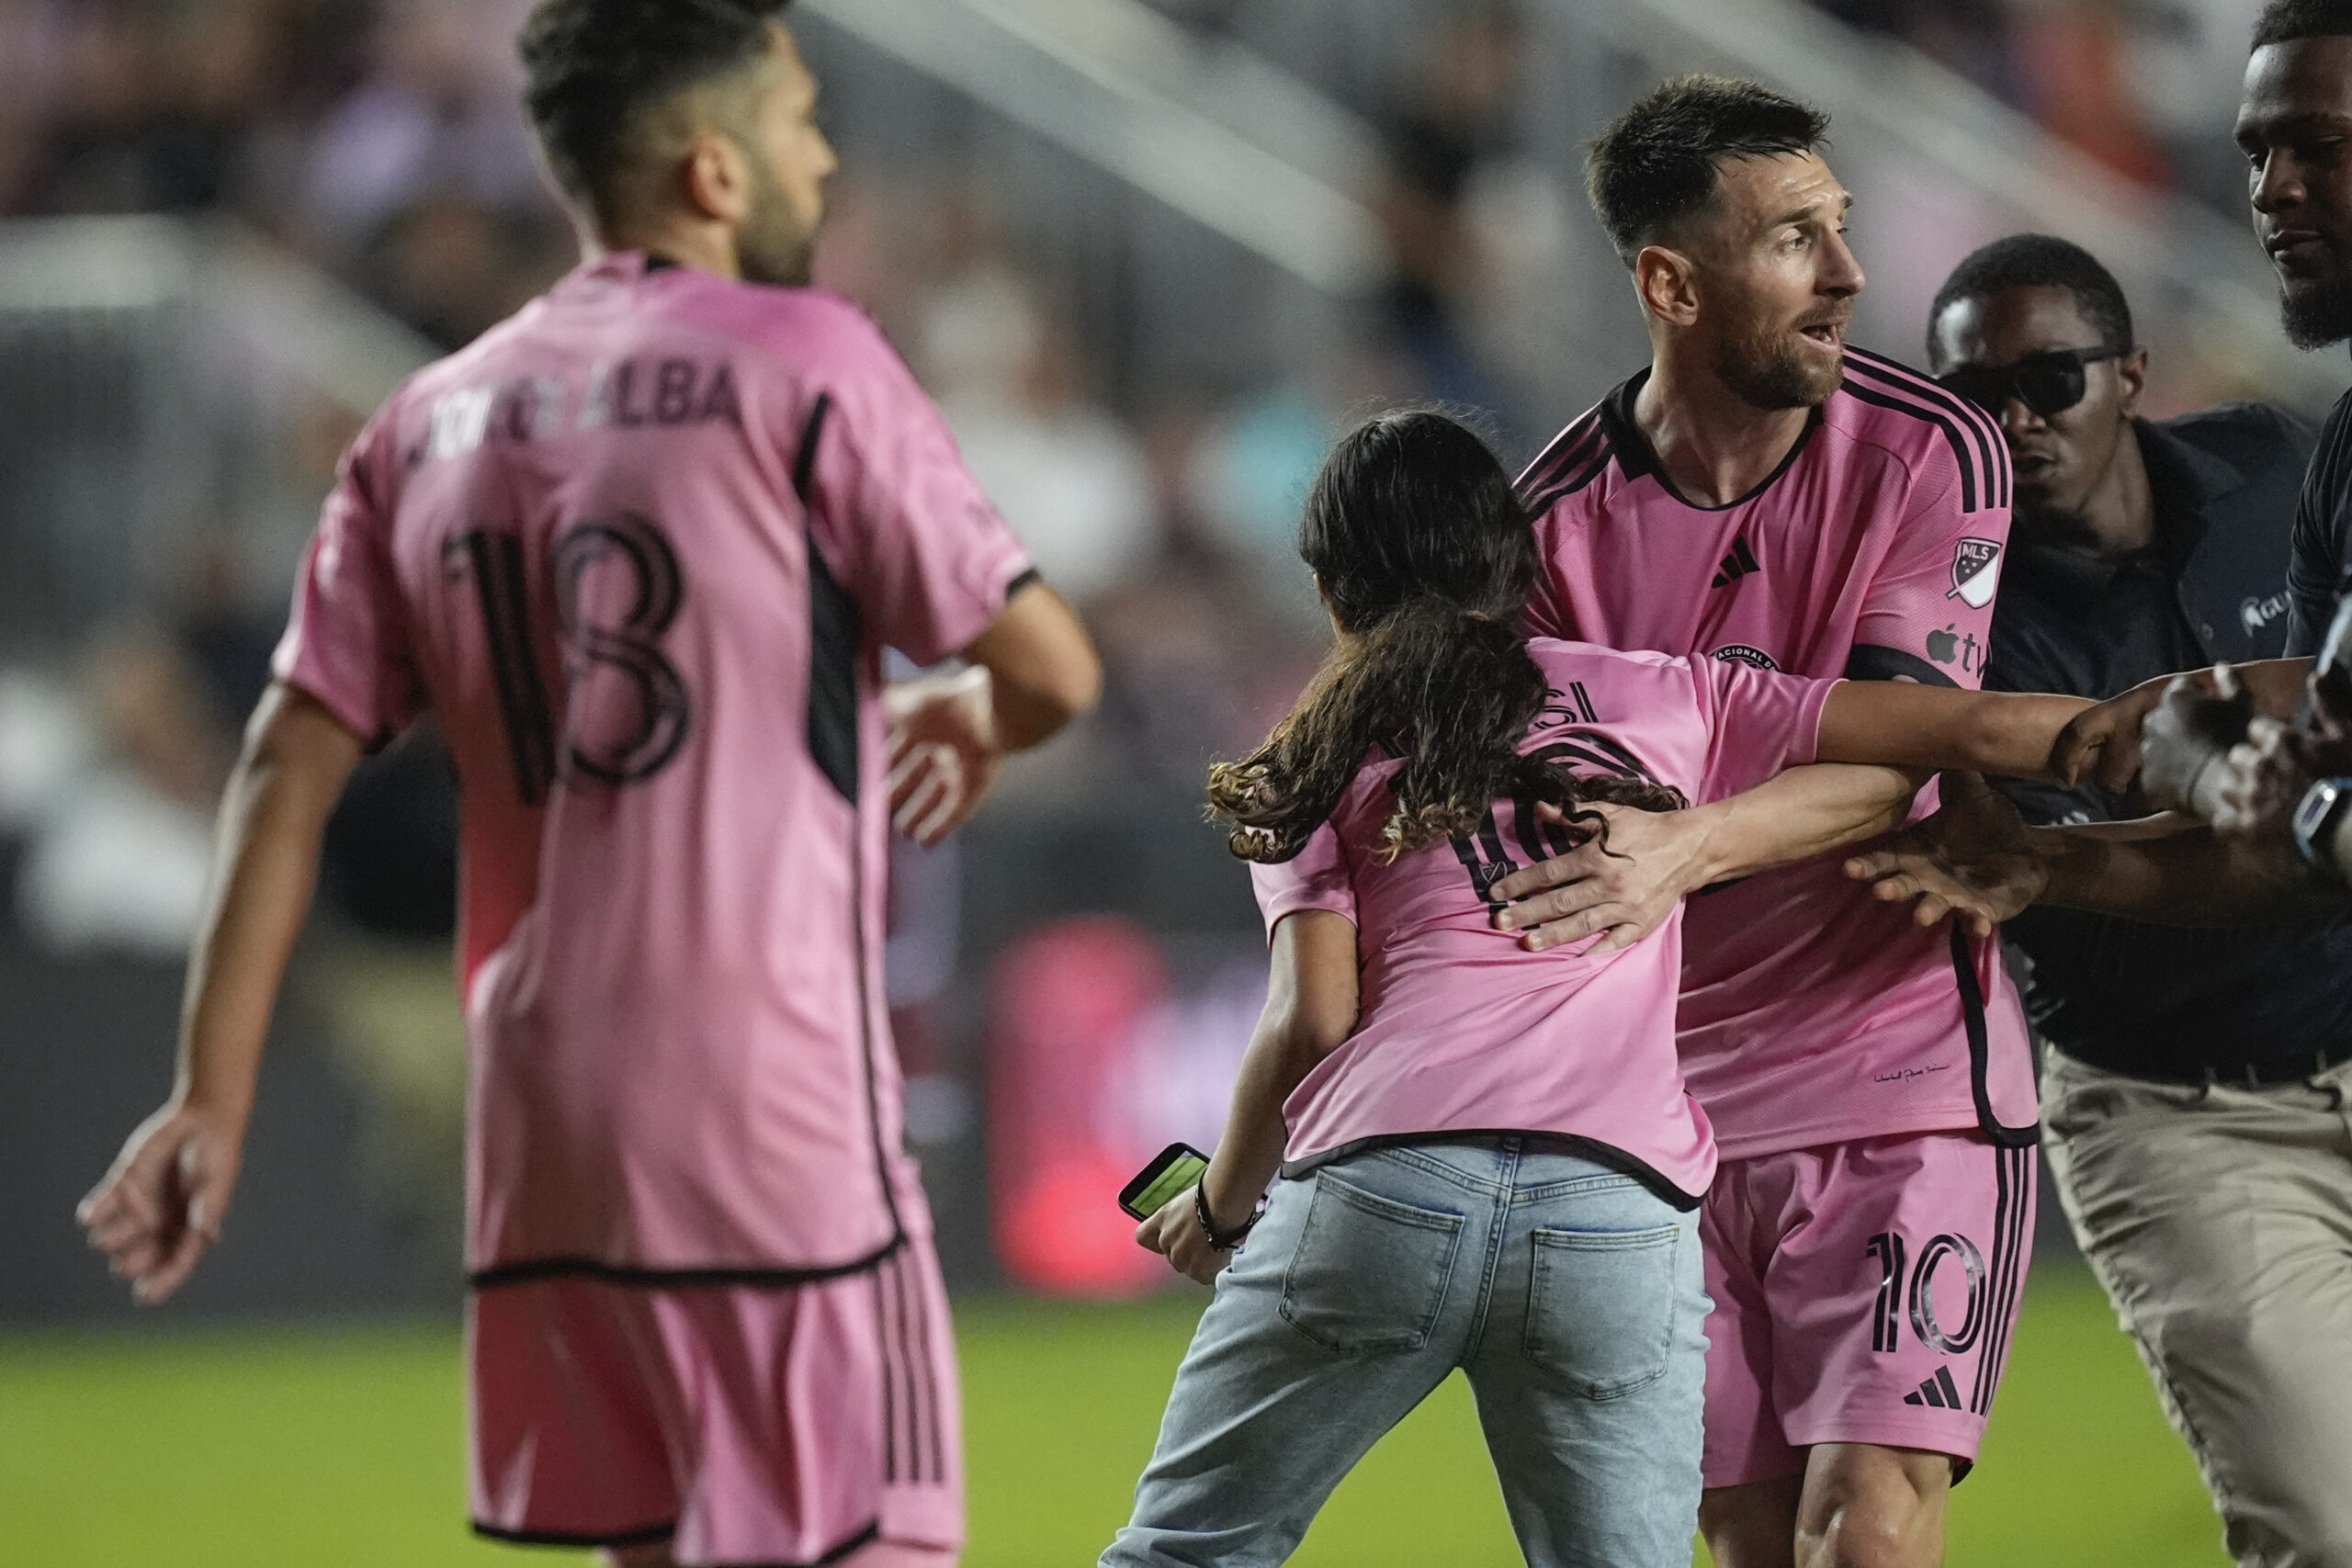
[(1601, 1307), (1369, 1274)]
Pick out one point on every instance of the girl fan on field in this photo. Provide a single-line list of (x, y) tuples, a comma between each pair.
[(1473, 1156)]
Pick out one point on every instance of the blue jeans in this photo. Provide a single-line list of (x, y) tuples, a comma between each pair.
[(1570, 1294)]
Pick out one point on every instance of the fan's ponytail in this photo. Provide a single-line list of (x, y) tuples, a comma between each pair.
[(1426, 559)]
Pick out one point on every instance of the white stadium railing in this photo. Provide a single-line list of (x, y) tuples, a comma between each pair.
[(152, 371)]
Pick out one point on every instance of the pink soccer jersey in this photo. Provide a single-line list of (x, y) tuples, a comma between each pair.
[(638, 549), (1811, 1013), (1459, 1029)]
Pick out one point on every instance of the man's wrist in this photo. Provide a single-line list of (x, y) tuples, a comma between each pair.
[(201, 1094), (1710, 861), (2070, 864)]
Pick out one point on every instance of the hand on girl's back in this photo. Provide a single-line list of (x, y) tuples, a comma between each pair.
[(1624, 885), (1175, 1234)]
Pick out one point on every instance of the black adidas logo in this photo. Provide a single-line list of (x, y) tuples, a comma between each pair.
[(1737, 565), (1937, 1391)]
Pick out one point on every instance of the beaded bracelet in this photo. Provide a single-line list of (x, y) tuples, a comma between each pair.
[(1222, 1241)]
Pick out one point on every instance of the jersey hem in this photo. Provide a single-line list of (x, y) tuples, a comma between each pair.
[(1936, 1437), (1593, 1149), (855, 1543), (644, 1535), (534, 1269), (1754, 1145)]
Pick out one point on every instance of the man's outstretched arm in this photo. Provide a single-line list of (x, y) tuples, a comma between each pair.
[(1976, 860), (2102, 745), (1877, 741), (1653, 859), (161, 1206)]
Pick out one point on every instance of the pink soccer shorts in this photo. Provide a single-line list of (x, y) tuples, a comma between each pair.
[(786, 1424), (1864, 1293)]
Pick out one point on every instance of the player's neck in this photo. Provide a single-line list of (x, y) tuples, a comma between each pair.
[(1712, 444), (705, 247)]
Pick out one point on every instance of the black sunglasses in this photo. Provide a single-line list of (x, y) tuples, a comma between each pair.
[(2048, 383)]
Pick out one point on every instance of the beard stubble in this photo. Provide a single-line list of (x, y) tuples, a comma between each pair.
[(1769, 372)]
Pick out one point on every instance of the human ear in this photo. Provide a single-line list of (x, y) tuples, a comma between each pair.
[(2131, 376), (718, 177), (1664, 279)]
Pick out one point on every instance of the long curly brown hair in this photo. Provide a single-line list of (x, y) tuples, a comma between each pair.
[(1427, 559)]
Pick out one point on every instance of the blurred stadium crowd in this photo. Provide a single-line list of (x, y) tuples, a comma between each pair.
[(2139, 84)]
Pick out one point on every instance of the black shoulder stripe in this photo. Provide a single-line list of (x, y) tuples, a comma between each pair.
[(1557, 450), (1986, 435), (1953, 435), (1991, 444), (1575, 446), (1992, 448), (1568, 481), (1896, 373), (1540, 504), (2000, 478)]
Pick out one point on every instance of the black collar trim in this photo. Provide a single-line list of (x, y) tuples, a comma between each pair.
[(1635, 457)]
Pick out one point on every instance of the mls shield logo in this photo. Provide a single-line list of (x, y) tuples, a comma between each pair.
[(1975, 572)]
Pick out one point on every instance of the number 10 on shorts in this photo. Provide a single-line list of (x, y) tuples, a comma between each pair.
[(1927, 1325)]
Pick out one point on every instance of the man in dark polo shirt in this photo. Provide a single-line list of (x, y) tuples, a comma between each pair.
[(2183, 1059)]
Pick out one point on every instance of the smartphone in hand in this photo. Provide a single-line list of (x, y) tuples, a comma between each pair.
[(1171, 1170)]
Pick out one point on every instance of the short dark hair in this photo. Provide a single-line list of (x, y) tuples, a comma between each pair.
[(1656, 163), (2284, 21), (2037, 261), (594, 67)]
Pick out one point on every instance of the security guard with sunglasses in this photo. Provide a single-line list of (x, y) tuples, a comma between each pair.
[(2192, 1072), (2138, 547)]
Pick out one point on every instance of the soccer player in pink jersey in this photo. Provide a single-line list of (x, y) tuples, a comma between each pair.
[(1488, 1156), (1762, 494), (638, 549)]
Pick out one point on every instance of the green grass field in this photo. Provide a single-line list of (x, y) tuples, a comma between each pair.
[(256, 1449)]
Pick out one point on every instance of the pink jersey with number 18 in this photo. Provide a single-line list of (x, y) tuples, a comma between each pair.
[(638, 549)]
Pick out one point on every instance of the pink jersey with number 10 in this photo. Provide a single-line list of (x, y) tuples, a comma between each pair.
[(1812, 1013), (638, 549)]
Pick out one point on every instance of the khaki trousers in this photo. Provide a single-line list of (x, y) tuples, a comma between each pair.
[(2220, 1221)]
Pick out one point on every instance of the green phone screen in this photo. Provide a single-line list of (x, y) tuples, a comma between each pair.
[(1180, 1174)]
